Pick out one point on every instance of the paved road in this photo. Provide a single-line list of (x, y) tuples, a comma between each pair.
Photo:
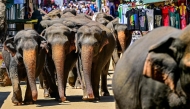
[(74, 97)]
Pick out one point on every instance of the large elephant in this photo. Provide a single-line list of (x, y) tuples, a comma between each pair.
[(154, 72), (95, 44), (60, 39), (24, 59)]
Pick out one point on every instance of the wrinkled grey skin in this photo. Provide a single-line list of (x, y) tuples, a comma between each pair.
[(122, 35), (68, 14), (123, 40), (72, 22), (95, 44), (24, 59), (154, 73), (72, 11), (54, 14), (3, 22), (77, 19), (62, 54)]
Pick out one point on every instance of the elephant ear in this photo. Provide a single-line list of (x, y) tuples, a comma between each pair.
[(9, 46), (161, 63), (104, 41), (43, 33)]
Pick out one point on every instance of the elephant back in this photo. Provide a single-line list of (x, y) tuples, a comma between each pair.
[(128, 75)]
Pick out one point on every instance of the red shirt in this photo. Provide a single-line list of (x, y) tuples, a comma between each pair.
[(165, 15), (172, 9)]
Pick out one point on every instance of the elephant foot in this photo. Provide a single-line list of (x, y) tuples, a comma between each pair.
[(71, 81), (106, 93), (46, 93), (89, 97), (61, 100), (97, 99), (28, 102), (78, 86), (16, 102)]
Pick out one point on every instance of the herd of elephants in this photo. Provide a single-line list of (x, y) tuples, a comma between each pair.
[(153, 73)]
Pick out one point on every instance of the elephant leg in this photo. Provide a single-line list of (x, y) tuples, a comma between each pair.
[(17, 94), (70, 62), (104, 89), (28, 95), (72, 77), (95, 79), (50, 81), (116, 105), (78, 84), (45, 83), (41, 81), (115, 56)]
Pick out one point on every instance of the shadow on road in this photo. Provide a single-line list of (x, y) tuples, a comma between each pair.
[(76, 98), (48, 102), (3, 96), (70, 99)]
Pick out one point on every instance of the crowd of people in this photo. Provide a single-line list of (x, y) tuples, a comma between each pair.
[(81, 7)]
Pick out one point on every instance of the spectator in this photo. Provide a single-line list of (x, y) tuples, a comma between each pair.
[(49, 8), (84, 9), (112, 9), (63, 6)]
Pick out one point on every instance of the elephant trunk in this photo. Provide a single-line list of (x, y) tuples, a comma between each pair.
[(29, 57), (87, 56), (122, 40), (58, 55)]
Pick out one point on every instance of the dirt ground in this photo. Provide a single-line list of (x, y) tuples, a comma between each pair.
[(74, 99)]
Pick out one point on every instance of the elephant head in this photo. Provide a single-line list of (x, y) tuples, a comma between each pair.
[(61, 41), (54, 14), (72, 11), (169, 61), (90, 41), (123, 36), (68, 14), (24, 48)]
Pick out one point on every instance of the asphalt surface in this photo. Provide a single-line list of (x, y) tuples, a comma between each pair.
[(74, 99)]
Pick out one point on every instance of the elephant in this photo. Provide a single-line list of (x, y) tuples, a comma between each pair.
[(61, 53), (95, 44), (80, 19), (23, 56), (123, 38), (54, 14), (70, 22), (73, 11), (122, 35), (153, 72)]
